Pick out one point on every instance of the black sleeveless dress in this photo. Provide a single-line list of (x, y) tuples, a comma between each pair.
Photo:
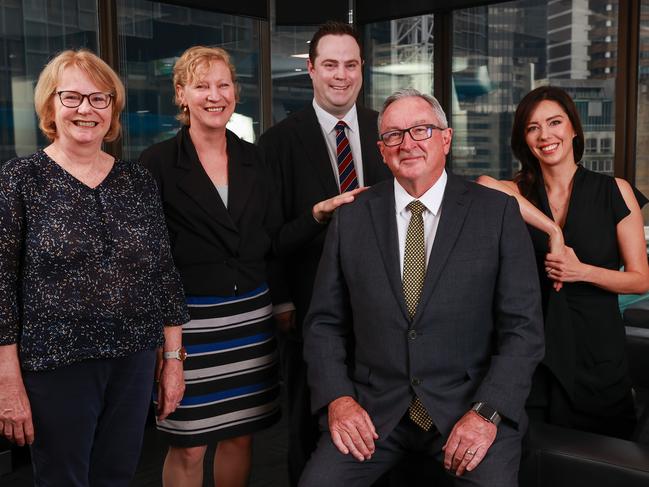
[(583, 382)]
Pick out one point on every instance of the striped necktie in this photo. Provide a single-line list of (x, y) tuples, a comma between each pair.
[(346, 169), (414, 272)]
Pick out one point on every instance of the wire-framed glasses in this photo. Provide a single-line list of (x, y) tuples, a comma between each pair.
[(73, 99), (417, 132)]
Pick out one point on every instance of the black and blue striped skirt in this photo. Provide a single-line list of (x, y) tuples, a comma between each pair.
[(231, 371)]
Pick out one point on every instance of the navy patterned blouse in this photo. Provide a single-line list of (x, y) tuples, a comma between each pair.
[(84, 273)]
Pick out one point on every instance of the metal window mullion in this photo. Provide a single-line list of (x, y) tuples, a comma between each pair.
[(626, 88), (265, 76), (443, 64), (109, 52)]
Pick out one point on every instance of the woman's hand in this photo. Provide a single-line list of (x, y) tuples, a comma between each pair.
[(171, 386), (565, 266), (15, 412), (285, 321)]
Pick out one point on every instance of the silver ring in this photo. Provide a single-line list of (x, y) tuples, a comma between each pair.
[(469, 452)]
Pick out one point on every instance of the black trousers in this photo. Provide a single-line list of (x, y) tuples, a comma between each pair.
[(89, 420)]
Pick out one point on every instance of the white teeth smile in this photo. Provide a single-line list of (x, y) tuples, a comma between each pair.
[(80, 123), (215, 109), (549, 148)]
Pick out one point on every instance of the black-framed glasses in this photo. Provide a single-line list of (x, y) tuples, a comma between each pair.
[(73, 99), (417, 132)]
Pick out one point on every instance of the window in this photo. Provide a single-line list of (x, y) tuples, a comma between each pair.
[(398, 54), (591, 146), (152, 36), (605, 146), (502, 51), (30, 32), (292, 89)]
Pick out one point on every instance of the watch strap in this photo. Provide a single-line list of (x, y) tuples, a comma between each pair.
[(486, 412), (178, 354)]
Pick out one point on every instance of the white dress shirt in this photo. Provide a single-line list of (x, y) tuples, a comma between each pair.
[(328, 125), (432, 200)]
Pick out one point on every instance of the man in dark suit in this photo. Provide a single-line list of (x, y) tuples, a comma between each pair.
[(432, 281), (318, 166)]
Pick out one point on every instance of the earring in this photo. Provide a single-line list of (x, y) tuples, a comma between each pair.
[(185, 108)]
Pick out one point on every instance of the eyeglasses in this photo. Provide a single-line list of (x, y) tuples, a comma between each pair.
[(418, 132), (73, 99)]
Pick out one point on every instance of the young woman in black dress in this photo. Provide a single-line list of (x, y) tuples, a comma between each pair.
[(584, 226)]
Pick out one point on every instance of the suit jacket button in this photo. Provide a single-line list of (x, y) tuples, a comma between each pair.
[(412, 334), (415, 381)]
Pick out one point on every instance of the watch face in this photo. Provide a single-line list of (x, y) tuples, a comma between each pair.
[(487, 412), (182, 354)]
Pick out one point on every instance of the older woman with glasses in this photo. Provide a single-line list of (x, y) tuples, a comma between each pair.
[(86, 284)]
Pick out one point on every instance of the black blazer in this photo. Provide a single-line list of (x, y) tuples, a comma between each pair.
[(296, 153), (219, 251)]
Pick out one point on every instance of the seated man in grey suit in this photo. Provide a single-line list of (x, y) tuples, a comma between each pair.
[(425, 325)]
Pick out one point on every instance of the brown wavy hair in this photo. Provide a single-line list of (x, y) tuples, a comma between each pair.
[(530, 172), (99, 73)]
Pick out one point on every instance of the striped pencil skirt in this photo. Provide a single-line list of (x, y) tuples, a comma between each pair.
[(231, 371)]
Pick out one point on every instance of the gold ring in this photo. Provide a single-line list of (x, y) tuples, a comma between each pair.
[(469, 452)]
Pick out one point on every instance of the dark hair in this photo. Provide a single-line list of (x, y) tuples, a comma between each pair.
[(334, 28), (530, 170)]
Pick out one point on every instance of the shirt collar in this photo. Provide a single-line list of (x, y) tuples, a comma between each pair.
[(328, 121), (431, 199)]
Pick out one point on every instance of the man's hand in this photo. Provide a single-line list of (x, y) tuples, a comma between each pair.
[(352, 430), (15, 413), (170, 388), (323, 210), (468, 443)]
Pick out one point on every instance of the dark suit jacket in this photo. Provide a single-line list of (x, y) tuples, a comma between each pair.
[(219, 251), (296, 153), (478, 331)]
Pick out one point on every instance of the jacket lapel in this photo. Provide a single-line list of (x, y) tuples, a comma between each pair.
[(385, 228), (455, 206), (310, 134), (196, 184)]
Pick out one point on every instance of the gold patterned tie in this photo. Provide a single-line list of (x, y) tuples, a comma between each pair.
[(414, 272)]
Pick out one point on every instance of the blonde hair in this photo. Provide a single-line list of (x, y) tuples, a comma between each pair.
[(99, 73), (188, 65)]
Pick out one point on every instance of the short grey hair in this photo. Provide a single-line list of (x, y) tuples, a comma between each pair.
[(411, 92)]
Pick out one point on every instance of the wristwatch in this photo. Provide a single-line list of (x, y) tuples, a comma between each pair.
[(179, 354), (486, 412)]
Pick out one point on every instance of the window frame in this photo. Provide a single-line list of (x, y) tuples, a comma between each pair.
[(626, 80)]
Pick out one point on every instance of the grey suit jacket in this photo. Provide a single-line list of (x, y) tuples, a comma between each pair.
[(477, 334)]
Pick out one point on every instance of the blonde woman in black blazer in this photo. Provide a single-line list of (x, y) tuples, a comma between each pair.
[(221, 218)]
